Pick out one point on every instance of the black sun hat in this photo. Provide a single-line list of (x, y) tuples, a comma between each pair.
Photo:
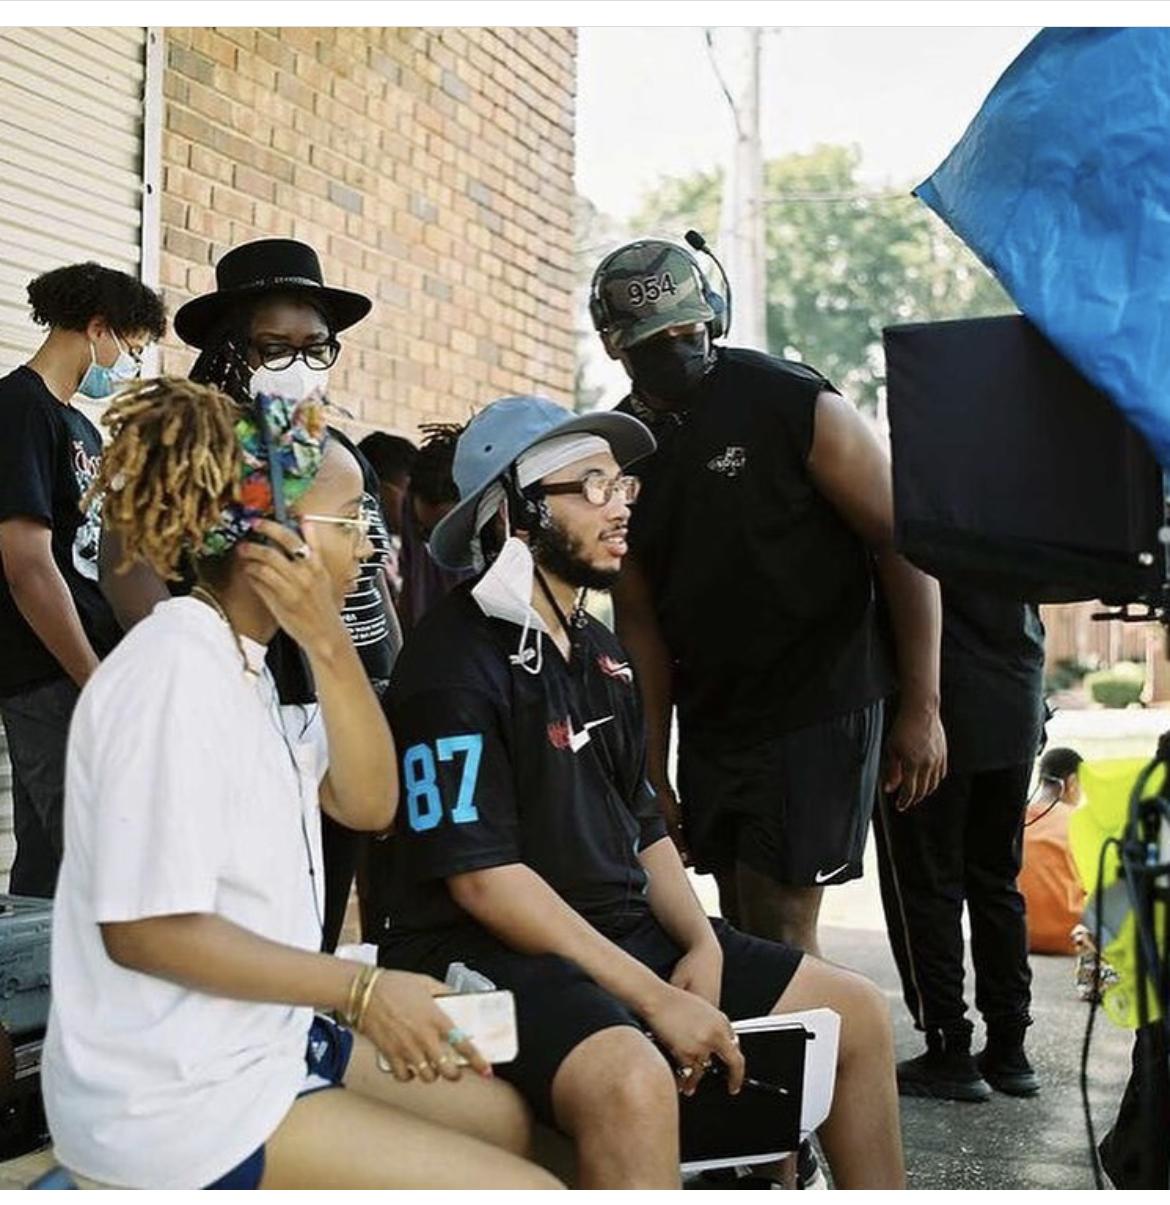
[(265, 266)]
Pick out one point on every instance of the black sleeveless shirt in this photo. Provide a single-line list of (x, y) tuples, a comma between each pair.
[(765, 596)]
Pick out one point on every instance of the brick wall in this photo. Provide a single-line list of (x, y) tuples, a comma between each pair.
[(432, 170)]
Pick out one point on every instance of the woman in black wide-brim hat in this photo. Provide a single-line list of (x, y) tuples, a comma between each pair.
[(272, 325), (270, 308)]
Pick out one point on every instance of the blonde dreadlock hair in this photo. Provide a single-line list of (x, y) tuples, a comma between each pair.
[(172, 465)]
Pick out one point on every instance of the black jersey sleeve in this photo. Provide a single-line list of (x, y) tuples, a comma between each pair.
[(651, 825), (458, 805)]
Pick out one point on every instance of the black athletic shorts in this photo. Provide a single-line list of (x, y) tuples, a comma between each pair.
[(558, 1005), (795, 807)]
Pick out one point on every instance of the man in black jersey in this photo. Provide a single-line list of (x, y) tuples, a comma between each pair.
[(749, 601), (530, 847)]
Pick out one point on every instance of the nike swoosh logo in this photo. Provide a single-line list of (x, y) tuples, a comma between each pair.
[(578, 740), (822, 877)]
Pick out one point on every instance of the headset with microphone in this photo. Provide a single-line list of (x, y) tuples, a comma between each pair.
[(718, 326)]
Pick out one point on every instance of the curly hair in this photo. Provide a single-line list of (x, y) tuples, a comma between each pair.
[(72, 296), (173, 463), (430, 474)]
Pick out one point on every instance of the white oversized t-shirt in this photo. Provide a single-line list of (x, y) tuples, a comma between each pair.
[(180, 797)]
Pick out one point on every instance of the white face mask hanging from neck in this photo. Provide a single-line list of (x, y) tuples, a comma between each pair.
[(505, 590)]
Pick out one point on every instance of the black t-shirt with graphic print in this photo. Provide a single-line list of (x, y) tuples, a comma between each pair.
[(765, 595), (500, 765), (49, 454)]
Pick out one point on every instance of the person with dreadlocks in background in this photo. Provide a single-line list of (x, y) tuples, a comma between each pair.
[(182, 1048), (272, 323), (430, 494)]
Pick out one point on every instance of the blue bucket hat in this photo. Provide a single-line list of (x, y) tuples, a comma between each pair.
[(498, 436)]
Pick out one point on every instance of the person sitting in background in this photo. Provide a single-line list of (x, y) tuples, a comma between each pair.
[(391, 457), (432, 493), (182, 1049), (55, 626), (1049, 881)]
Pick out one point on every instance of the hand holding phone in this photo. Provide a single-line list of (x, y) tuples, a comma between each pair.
[(487, 1018)]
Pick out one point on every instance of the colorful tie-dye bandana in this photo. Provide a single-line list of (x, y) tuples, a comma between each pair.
[(298, 433)]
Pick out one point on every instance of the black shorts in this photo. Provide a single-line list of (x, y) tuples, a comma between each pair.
[(796, 807), (558, 1005)]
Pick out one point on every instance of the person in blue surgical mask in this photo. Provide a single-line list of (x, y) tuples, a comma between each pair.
[(55, 625)]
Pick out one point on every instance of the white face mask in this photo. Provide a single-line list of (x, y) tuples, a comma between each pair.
[(294, 383), (505, 592)]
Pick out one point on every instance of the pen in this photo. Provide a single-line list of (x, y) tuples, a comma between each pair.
[(763, 1086)]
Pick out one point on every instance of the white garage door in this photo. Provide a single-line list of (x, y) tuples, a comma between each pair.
[(71, 186)]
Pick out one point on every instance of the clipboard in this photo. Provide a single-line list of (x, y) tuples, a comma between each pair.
[(795, 1056)]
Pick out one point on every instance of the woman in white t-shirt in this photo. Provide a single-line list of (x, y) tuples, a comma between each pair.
[(183, 1050)]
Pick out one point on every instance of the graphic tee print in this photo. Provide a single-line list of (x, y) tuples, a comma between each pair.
[(87, 541), (49, 455)]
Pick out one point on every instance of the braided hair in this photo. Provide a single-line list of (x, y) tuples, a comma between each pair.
[(172, 465), (430, 473), (223, 363)]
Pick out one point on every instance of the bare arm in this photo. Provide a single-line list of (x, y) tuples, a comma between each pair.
[(42, 595), (672, 898), (361, 788), (852, 471), (520, 908), (209, 954), (132, 594)]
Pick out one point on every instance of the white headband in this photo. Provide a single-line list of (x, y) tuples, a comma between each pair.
[(538, 462)]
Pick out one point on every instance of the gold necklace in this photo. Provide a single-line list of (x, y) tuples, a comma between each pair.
[(206, 596)]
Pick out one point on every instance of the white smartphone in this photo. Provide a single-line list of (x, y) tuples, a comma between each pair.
[(488, 1018)]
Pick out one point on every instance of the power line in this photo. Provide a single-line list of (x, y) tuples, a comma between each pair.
[(710, 41)]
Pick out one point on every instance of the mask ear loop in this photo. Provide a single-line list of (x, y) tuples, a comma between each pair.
[(519, 657)]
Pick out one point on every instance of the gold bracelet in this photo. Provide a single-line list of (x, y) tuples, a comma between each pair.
[(366, 995), (355, 989)]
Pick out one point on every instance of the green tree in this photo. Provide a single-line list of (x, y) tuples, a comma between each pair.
[(842, 263)]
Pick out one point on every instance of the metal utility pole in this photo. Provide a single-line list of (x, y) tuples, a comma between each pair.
[(741, 227)]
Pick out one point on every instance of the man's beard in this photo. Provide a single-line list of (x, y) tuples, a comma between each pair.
[(559, 553)]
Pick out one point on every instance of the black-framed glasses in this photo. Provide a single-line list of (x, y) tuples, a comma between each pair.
[(318, 356), (598, 489)]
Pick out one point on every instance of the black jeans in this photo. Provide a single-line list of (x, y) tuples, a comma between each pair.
[(36, 722), (961, 844)]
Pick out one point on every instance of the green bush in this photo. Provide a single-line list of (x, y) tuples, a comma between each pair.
[(1118, 686), (1065, 674)]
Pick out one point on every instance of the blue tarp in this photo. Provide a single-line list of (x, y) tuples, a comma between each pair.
[(1061, 186)]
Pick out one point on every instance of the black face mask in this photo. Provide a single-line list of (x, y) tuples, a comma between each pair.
[(668, 368)]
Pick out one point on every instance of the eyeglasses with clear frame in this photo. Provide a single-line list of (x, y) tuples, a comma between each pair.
[(358, 525), (598, 489)]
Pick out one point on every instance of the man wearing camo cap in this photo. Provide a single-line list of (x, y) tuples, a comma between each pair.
[(749, 601)]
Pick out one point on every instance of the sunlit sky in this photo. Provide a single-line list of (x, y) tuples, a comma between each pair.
[(649, 104)]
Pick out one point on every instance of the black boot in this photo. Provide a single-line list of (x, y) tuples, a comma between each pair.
[(946, 1071), (1004, 1064)]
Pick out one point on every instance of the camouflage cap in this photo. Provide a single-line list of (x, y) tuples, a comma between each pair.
[(643, 288)]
